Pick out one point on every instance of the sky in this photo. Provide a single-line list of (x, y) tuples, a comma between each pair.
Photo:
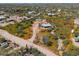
[(39, 1)]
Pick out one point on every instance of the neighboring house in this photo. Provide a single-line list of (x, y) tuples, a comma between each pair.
[(45, 25), (51, 14), (76, 21), (2, 19), (4, 43), (31, 12), (2, 12), (38, 19), (77, 39)]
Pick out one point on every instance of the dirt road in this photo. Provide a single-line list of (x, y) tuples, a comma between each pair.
[(22, 43)]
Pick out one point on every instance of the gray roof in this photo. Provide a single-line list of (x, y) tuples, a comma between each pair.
[(46, 25), (77, 38), (2, 17)]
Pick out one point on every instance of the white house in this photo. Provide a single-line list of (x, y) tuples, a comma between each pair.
[(2, 18), (76, 21), (51, 14), (46, 25), (31, 12)]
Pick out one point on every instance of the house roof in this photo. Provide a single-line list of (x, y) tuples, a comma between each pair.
[(51, 14), (77, 38), (1, 17), (46, 24)]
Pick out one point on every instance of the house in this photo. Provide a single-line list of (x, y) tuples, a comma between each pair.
[(76, 21), (77, 39), (38, 19), (4, 43), (2, 12), (59, 10), (31, 12), (46, 25), (51, 14), (2, 19)]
